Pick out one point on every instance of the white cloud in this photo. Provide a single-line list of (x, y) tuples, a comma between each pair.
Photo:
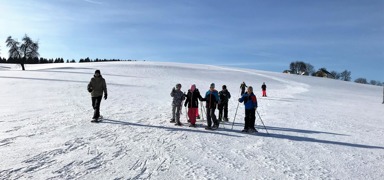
[(93, 2)]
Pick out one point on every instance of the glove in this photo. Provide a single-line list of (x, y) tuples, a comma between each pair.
[(90, 89), (105, 96)]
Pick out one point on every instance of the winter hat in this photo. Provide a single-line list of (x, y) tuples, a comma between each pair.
[(212, 85), (193, 87), (97, 72), (224, 87)]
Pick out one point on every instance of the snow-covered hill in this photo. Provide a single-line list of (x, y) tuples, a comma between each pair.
[(318, 128)]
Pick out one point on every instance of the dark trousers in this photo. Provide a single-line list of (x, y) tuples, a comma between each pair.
[(96, 106), (223, 106), (211, 116), (250, 117)]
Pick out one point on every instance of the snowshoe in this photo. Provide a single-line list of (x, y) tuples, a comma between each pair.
[(252, 131), (244, 130), (192, 125), (178, 124), (96, 120), (208, 128)]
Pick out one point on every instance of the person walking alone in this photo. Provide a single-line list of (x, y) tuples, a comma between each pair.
[(97, 86), (264, 89), (242, 87)]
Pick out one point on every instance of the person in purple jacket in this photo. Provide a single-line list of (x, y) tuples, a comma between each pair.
[(250, 103)]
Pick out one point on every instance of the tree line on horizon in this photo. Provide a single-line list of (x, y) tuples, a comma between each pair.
[(302, 68), (26, 52)]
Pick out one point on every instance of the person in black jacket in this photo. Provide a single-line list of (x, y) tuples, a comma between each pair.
[(97, 87), (224, 96), (242, 87), (264, 89), (193, 97)]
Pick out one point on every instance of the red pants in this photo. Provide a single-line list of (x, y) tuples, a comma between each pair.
[(192, 115), (264, 92)]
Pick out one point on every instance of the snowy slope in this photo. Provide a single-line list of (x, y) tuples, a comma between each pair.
[(318, 128)]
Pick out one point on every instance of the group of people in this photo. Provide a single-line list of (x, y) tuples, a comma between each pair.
[(214, 99)]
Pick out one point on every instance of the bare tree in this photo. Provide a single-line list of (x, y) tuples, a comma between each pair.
[(298, 67), (309, 69), (345, 75), (29, 49), (373, 82), (336, 75), (361, 80)]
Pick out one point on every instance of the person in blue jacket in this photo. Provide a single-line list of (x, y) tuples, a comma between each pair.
[(250, 103), (212, 99)]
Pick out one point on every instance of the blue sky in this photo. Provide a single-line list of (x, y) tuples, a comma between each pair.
[(264, 35)]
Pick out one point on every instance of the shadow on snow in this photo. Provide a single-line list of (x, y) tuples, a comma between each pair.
[(262, 133), (62, 80), (110, 121)]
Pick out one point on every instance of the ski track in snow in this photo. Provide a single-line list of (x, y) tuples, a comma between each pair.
[(46, 133)]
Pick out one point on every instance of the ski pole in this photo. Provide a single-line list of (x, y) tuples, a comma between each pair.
[(262, 122), (236, 111), (201, 110), (186, 114), (235, 115)]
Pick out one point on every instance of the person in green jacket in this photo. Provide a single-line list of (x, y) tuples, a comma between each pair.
[(97, 86)]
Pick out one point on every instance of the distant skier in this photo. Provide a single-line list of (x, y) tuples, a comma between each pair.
[(178, 98), (192, 101), (224, 96), (212, 98), (242, 87), (250, 103), (264, 89), (97, 86)]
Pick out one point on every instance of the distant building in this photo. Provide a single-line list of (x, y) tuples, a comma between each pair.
[(287, 72), (324, 73)]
